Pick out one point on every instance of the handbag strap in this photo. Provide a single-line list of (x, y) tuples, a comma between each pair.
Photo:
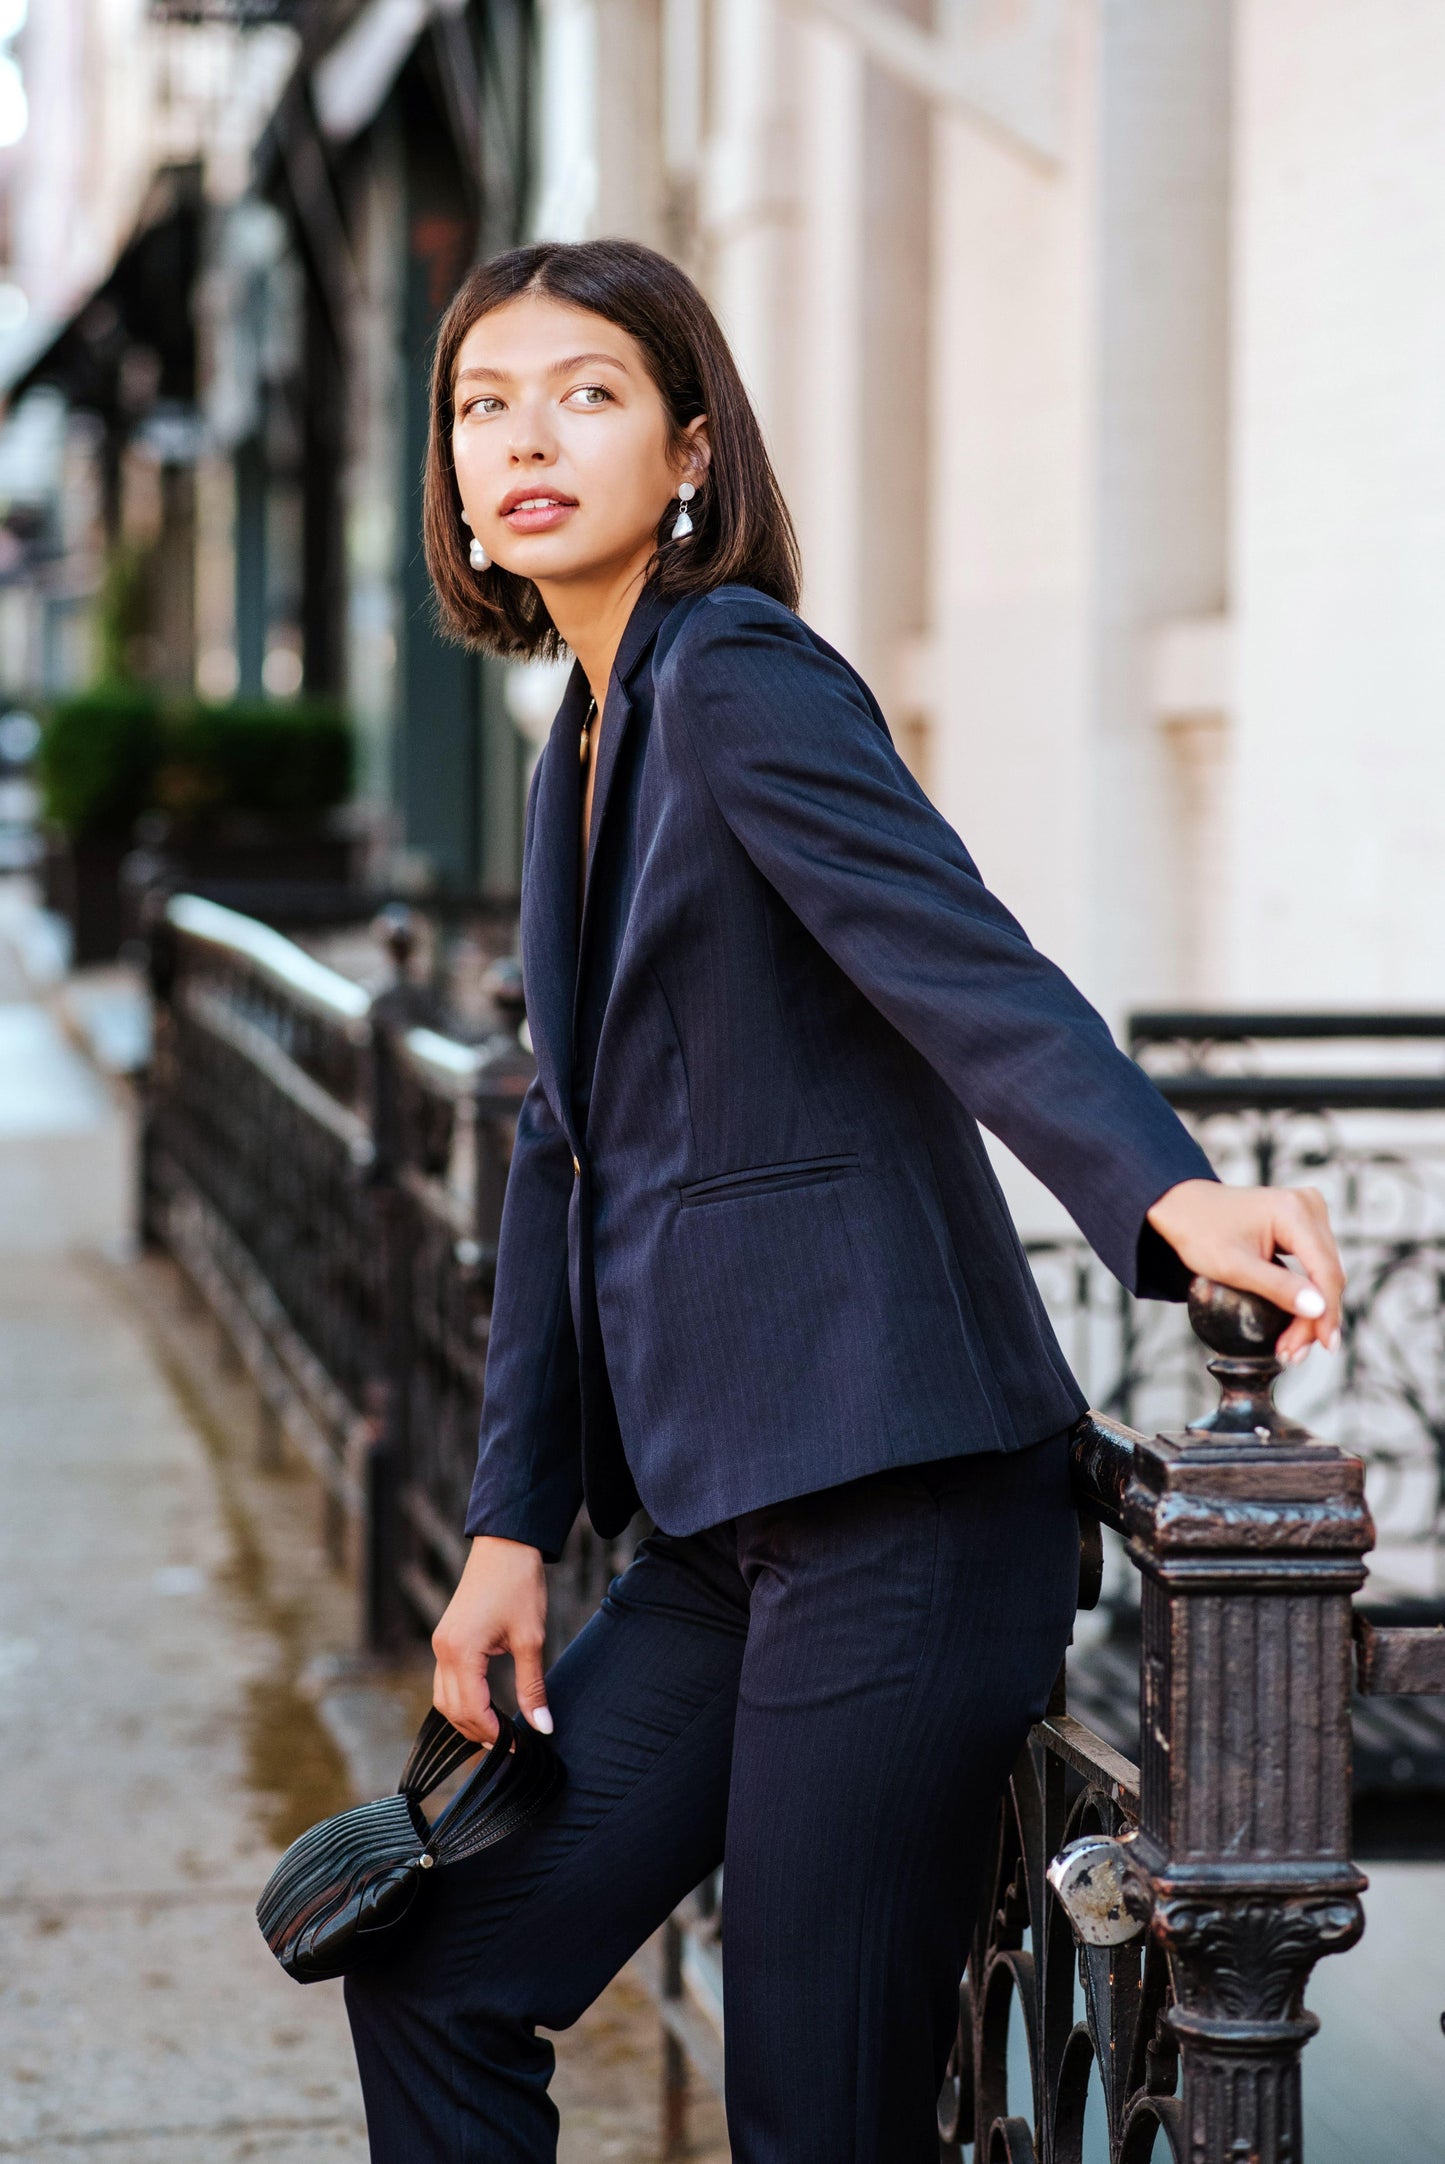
[(438, 1751), (517, 1775)]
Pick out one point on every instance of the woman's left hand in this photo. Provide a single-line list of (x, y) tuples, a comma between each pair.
[(1232, 1234)]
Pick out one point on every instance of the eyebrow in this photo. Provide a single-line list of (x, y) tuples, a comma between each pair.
[(558, 368)]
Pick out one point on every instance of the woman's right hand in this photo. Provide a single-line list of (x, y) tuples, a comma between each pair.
[(499, 1606)]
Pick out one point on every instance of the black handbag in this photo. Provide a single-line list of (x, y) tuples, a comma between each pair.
[(346, 1892)]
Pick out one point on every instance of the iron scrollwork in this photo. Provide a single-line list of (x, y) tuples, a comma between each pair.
[(1091, 2014)]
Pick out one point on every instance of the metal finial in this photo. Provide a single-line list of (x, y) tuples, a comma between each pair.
[(395, 927), (1241, 1329), (502, 985)]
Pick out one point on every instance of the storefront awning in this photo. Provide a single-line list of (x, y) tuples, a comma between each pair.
[(130, 342)]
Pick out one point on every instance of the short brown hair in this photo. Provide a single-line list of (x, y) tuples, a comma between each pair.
[(742, 531)]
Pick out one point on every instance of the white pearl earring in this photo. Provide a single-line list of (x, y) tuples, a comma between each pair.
[(477, 556), (682, 525)]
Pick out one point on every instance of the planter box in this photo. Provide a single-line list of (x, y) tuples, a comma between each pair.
[(80, 881), (99, 886)]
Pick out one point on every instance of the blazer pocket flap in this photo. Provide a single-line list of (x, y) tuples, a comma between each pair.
[(767, 1179)]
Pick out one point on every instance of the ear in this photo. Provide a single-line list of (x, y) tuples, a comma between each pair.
[(697, 451)]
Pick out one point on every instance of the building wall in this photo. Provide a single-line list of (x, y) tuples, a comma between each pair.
[(1011, 519), (1159, 541), (1339, 521)]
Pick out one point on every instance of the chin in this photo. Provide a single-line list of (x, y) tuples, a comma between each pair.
[(533, 561), (575, 565)]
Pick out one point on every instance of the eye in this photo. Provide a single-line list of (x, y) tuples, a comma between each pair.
[(586, 391), (482, 399)]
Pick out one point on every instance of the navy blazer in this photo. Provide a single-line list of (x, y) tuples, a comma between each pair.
[(752, 1244)]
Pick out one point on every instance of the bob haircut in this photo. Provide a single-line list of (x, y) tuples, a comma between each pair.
[(742, 532)]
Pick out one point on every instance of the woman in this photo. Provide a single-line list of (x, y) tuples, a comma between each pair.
[(755, 1271)]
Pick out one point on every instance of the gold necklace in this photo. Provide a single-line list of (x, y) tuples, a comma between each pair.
[(586, 729)]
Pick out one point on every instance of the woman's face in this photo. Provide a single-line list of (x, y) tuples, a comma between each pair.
[(561, 442)]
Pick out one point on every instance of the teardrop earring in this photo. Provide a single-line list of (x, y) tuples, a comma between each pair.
[(682, 524)]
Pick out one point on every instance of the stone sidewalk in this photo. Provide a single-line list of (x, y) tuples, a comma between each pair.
[(159, 1714), (140, 2008), (141, 2014)]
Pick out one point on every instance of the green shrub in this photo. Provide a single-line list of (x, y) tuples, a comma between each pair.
[(123, 609), (108, 755), (286, 762), (97, 759)]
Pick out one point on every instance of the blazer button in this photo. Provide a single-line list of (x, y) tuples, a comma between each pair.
[(576, 1169)]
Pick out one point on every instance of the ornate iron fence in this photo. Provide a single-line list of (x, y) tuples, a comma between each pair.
[(445, 1117), (1354, 1104), (1294, 1099), (256, 1163), (331, 1177)]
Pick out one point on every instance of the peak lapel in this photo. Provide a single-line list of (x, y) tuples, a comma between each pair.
[(549, 918), (648, 611), (551, 940)]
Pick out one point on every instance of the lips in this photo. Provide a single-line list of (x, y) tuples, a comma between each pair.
[(534, 491), (533, 510)]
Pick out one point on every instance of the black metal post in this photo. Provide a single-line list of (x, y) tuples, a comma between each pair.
[(1249, 1536), (386, 1617)]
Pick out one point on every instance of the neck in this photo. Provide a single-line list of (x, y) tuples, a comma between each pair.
[(591, 613)]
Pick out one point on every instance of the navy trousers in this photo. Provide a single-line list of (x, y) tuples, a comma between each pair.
[(827, 1695)]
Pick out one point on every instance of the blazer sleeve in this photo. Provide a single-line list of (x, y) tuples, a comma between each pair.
[(802, 769), (528, 1481)]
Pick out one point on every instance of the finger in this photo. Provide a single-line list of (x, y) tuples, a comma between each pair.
[(1248, 1271), (1294, 1342), (1304, 1232), (464, 1696), (531, 1689)]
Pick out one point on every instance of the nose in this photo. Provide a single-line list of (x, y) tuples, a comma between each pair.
[(532, 441)]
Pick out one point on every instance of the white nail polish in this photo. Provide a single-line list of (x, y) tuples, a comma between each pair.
[(1309, 1302), (541, 1720), (1333, 1340)]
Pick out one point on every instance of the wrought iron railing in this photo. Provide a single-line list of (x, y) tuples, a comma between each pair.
[(257, 1157), (445, 1116), (1355, 1105), (331, 1178)]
